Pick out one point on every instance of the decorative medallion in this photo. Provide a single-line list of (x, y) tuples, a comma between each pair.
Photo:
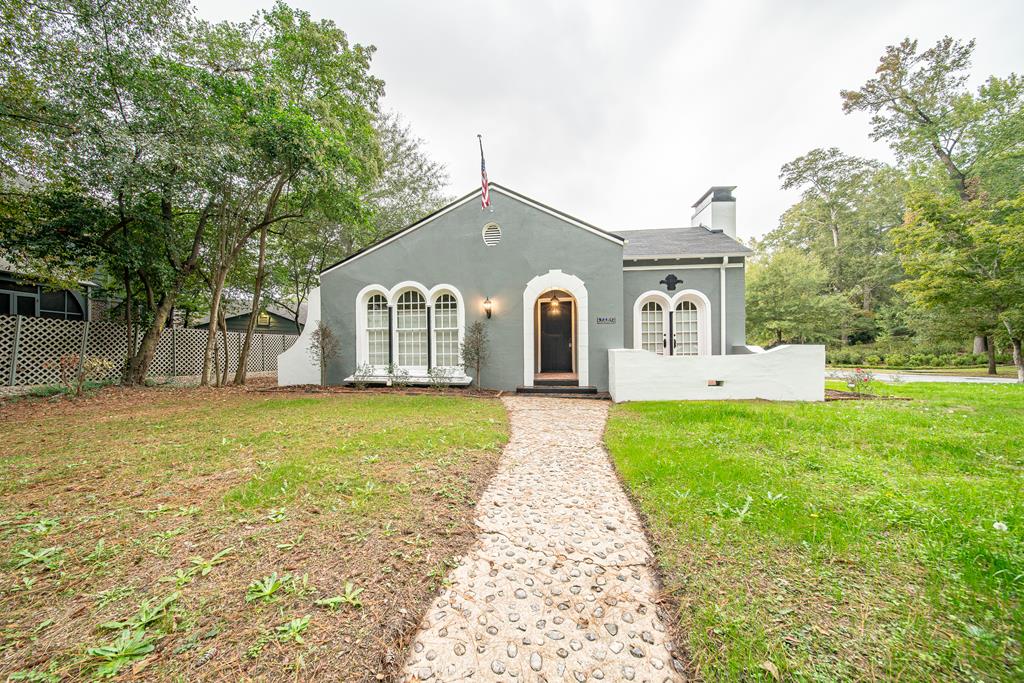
[(670, 282)]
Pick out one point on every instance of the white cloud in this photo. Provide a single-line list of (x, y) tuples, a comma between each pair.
[(624, 113)]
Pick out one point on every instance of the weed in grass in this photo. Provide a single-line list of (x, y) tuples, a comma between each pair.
[(180, 578), (26, 584), (153, 513), (349, 596), (277, 515), (203, 566), (130, 646), (50, 558), (34, 676), (100, 553), (292, 631), (290, 545), (187, 511), (147, 614), (111, 595), (299, 586), (40, 527), (265, 588)]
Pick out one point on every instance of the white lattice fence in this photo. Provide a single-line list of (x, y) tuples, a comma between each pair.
[(30, 349)]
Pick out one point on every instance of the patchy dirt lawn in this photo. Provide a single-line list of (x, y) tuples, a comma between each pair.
[(188, 534)]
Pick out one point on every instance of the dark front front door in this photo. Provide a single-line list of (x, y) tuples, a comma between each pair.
[(556, 337)]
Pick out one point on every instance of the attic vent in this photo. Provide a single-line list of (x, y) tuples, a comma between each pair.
[(492, 234)]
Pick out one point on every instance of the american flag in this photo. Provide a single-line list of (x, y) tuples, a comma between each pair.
[(485, 195)]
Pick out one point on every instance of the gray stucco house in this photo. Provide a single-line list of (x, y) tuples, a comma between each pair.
[(556, 293)]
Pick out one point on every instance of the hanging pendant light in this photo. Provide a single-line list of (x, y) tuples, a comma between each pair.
[(554, 300)]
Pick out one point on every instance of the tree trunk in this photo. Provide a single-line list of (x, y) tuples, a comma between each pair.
[(217, 291), (990, 342), (979, 344), (139, 362), (222, 323), (1018, 360), (257, 293)]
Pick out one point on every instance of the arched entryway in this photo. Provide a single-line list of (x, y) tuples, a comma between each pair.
[(555, 335), (555, 327)]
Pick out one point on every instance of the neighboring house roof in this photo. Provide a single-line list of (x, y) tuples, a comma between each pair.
[(494, 187), (8, 267), (235, 308), (679, 243)]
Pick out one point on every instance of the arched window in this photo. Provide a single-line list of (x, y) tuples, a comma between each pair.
[(652, 327), (686, 333), (377, 330), (446, 331), (411, 327)]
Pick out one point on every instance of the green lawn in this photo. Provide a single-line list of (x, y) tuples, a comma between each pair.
[(190, 534), (852, 540)]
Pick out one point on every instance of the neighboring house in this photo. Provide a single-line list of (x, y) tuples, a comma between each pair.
[(557, 293), (272, 319), (22, 294)]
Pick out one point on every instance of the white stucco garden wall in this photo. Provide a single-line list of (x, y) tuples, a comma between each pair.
[(785, 373), (294, 364)]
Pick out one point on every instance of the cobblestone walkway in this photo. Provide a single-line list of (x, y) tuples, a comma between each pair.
[(557, 585)]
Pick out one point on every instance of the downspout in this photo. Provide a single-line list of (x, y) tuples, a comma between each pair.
[(721, 302)]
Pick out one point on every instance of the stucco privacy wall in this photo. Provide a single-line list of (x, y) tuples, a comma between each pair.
[(450, 249), (295, 365), (785, 373), (705, 280)]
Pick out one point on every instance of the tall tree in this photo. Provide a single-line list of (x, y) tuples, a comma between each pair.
[(116, 147), (847, 207), (921, 106), (303, 119), (788, 299), (967, 257), (410, 185)]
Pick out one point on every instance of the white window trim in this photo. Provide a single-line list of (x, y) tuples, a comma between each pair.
[(362, 338), (391, 296), (397, 291), (435, 292), (556, 279), (669, 304)]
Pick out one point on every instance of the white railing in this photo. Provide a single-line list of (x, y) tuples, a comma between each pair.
[(785, 373)]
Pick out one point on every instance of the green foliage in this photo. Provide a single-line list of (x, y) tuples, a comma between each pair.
[(128, 647), (787, 300), (148, 614), (967, 258), (920, 104), (292, 630), (264, 589)]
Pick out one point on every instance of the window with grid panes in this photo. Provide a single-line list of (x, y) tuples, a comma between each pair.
[(411, 328)]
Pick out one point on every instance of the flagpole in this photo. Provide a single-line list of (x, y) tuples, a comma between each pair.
[(485, 193)]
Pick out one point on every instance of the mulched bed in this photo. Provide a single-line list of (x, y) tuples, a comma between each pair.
[(837, 395)]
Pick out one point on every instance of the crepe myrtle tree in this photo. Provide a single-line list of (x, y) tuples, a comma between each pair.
[(324, 346), (474, 349)]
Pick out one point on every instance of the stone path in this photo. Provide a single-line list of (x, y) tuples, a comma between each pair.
[(557, 586)]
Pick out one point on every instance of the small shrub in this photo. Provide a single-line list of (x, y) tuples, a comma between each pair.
[(873, 360), (397, 376), (362, 375), (917, 360), (859, 380), (75, 372), (896, 360), (440, 378), (475, 349)]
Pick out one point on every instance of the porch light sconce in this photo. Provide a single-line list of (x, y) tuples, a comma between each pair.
[(487, 307)]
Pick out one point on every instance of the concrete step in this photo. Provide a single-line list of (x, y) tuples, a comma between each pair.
[(561, 390)]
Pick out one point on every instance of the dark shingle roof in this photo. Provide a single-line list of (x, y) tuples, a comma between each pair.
[(679, 242)]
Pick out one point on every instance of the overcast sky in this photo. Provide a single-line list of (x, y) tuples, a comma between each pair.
[(624, 113)]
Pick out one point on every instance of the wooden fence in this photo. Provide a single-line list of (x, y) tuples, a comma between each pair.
[(30, 349)]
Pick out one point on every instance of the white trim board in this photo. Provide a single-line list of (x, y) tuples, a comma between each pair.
[(659, 257), (470, 197), (693, 266)]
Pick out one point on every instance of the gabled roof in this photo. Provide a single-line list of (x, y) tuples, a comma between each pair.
[(475, 194), (237, 307), (679, 243)]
